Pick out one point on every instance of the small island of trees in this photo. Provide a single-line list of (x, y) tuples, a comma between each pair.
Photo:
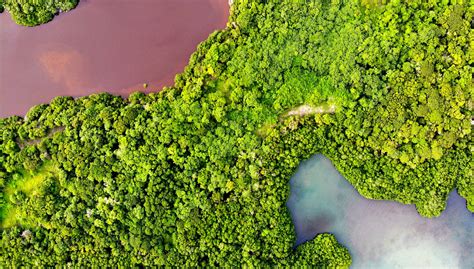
[(197, 174), (36, 12)]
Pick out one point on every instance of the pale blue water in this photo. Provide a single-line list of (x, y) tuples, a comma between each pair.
[(378, 234)]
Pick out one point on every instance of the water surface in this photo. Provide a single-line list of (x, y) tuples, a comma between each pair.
[(378, 234), (102, 45)]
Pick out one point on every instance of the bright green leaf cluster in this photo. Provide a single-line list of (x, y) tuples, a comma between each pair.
[(197, 175), (36, 12)]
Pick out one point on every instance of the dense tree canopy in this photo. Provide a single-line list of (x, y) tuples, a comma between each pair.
[(36, 12), (198, 173)]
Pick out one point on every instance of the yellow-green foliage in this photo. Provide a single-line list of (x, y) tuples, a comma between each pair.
[(8, 217), (32, 13), (197, 175), (28, 183)]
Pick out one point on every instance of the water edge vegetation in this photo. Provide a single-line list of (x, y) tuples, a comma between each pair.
[(197, 174)]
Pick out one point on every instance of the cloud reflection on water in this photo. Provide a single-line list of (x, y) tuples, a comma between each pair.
[(378, 234)]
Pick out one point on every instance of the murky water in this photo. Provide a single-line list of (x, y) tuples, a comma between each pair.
[(378, 234), (102, 45), (116, 45)]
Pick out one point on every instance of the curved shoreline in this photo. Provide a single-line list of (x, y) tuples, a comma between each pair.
[(98, 48)]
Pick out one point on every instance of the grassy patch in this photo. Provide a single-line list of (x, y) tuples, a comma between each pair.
[(26, 183)]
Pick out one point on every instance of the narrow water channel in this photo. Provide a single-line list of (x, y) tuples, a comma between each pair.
[(102, 45), (378, 234)]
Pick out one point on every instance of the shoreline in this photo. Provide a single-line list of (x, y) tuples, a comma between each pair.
[(117, 55)]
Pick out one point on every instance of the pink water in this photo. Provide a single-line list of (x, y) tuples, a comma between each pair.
[(102, 45)]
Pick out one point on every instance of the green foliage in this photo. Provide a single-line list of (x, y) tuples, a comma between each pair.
[(21, 194), (323, 252), (36, 12), (197, 175)]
